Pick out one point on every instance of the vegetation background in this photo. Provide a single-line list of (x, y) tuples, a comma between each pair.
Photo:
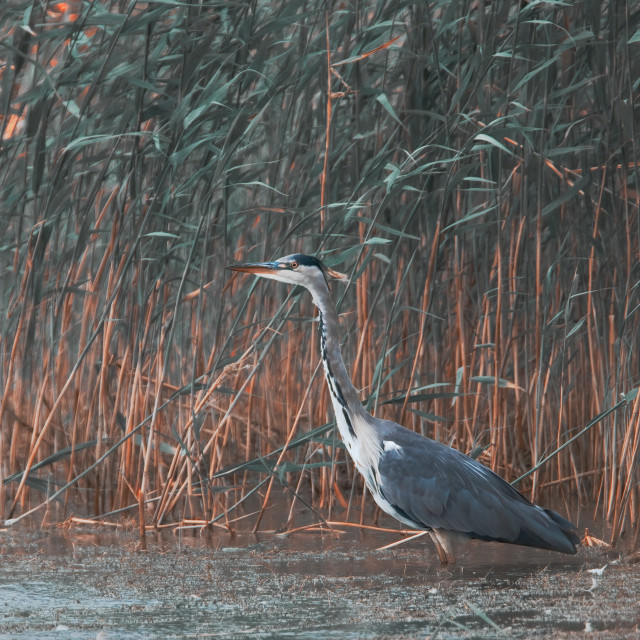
[(472, 165)]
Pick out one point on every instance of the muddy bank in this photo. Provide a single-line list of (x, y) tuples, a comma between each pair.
[(88, 584)]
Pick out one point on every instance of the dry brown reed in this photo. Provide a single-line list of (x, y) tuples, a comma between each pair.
[(473, 166)]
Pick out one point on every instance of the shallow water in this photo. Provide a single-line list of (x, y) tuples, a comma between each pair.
[(95, 584)]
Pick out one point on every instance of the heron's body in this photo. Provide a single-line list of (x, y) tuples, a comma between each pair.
[(420, 482)]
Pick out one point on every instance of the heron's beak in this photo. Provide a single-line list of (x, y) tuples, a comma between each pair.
[(257, 267), (262, 268)]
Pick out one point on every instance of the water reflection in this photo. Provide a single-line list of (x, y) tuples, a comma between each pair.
[(357, 546)]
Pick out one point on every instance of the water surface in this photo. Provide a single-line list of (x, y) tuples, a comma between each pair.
[(83, 583)]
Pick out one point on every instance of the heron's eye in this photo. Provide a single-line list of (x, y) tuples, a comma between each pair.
[(294, 265)]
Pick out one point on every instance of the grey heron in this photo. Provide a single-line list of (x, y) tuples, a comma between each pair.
[(422, 483)]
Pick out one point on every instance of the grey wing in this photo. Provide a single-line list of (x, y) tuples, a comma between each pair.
[(437, 487)]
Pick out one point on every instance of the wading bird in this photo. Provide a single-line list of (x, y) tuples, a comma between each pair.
[(421, 482)]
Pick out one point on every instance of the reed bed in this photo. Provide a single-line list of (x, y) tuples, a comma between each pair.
[(473, 167)]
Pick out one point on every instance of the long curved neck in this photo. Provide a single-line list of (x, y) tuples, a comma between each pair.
[(357, 427), (343, 394)]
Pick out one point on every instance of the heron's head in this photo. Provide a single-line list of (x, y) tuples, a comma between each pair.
[(298, 268)]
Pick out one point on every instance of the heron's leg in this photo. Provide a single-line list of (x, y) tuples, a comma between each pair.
[(442, 540)]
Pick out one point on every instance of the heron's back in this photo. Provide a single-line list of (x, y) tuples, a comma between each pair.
[(433, 486)]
